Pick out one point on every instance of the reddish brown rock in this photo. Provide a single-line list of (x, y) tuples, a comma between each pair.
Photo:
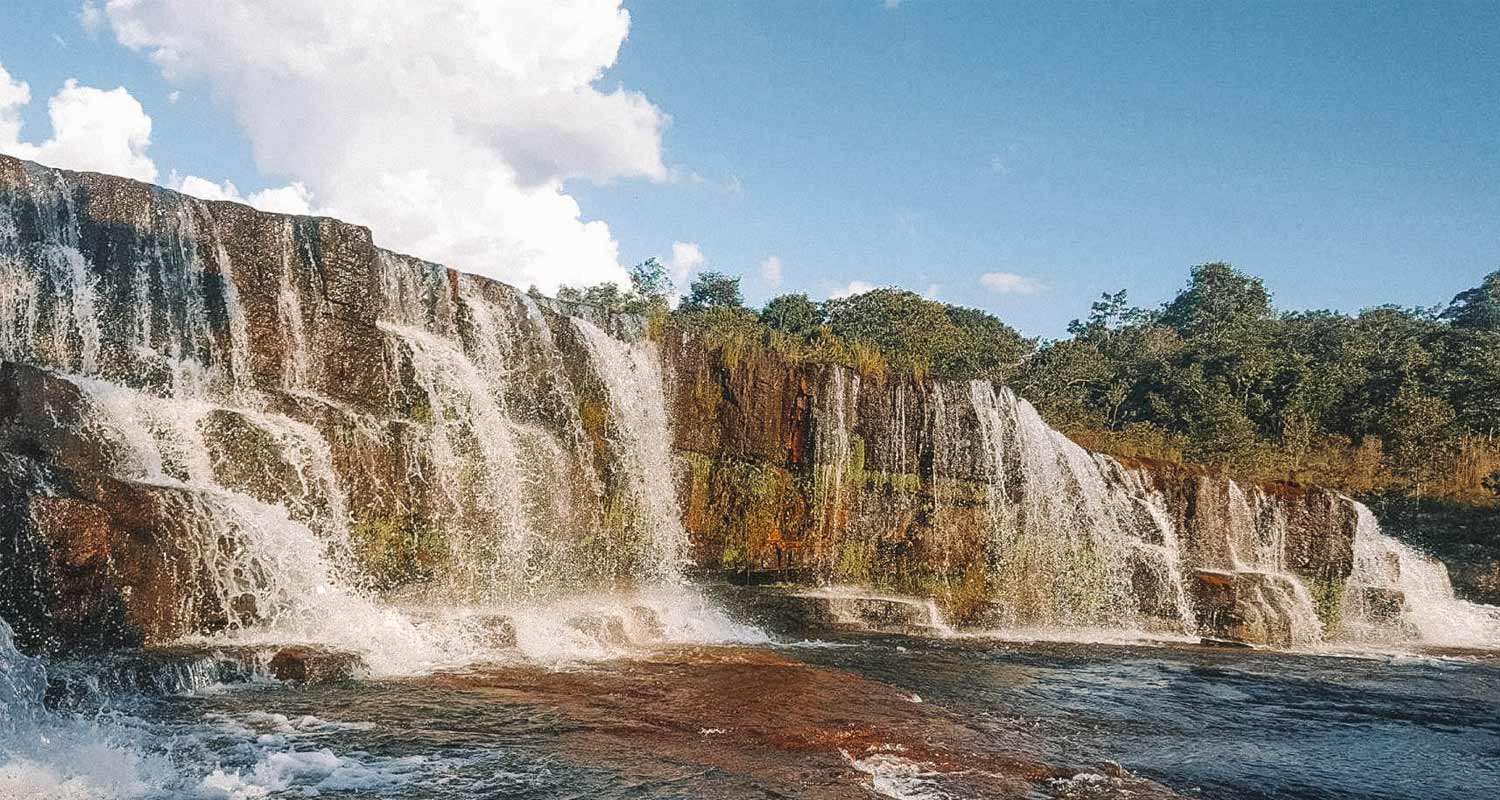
[(1248, 607), (305, 664)]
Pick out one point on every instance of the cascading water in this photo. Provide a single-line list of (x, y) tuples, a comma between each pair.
[(536, 473), (1071, 545), (1395, 593), (831, 484), (631, 373), (258, 465)]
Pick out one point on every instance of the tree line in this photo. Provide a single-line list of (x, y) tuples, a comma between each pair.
[(1388, 399)]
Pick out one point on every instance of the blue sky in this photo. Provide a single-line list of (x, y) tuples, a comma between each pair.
[(1348, 154)]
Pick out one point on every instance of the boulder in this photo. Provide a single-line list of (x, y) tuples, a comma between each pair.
[(1249, 607), (497, 632), (608, 629), (307, 664), (42, 417)]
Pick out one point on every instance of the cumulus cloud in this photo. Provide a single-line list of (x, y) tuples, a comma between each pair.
[(290, 199), (853, 288), (686, 257), (92, 129), (770, 271), (448, 127), (1010, 283)]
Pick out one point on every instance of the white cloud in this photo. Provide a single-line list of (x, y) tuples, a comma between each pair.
[(290, 199), (92, 129), (853, 288), (686, 257), (449, 127), (91, 17), (999, 166), (294, 198), (14, 94), (1010, 283), (770, 271), (932, 291), (205, 189)]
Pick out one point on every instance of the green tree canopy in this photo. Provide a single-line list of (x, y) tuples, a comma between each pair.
[(713, 290), (985, 346), (650, 283), (794, 314), (1477, 308), (1218, 297), (914, 331), (607, 297)]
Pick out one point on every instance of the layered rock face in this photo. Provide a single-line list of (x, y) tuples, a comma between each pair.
[(959, 489), (213, 417)]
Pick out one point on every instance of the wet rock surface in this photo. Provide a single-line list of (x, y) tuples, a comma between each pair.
[(314, 372), (821, 733), (308, 664)]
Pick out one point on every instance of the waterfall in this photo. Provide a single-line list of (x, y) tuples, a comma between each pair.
[(276, 569), (208, 386), (631, 373), (466, 419), (1396, 593), (1069, 544), (834, 415), (326, 440), (264, 526)]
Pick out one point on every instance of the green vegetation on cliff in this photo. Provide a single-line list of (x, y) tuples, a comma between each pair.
[(1389, 399)]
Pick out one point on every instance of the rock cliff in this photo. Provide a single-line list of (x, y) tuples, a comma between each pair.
[(213, 417), (959, 490)]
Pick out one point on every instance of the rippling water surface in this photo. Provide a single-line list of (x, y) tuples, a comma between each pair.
[(845, 715)]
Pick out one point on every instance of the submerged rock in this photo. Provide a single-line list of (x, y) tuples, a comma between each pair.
[(608, 629), (307, 664), (497, 632), (645, 625)]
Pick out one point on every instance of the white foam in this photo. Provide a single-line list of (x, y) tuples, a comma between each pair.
[(1430, 612), (585, 627), (897, 777), (311, 772)]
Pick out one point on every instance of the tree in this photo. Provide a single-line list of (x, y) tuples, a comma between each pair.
[(713, 290), (649, 289), (650, 279), (912, 331), (1110, 312), (1218, 298), (607, 297), (1477, 308), (984, 347), (650, 285), (793, 314), (907, 328)]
